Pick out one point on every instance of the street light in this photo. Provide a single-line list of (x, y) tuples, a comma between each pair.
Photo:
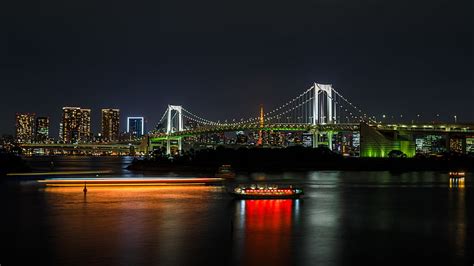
[(455, 119)]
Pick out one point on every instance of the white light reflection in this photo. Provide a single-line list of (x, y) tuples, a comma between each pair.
[(242, 213), (297, 207)]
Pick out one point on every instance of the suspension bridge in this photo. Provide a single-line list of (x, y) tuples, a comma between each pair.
[(319, 109), (319, 113), (320, 105)]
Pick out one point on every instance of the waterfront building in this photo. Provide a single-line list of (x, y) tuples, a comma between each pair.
[(135, 126), (456, 144), (110, 124), (75, 125), (25, 125), (42, 129), (470, 145)]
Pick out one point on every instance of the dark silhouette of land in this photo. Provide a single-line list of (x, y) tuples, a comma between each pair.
[(295, 159), (11, 163)]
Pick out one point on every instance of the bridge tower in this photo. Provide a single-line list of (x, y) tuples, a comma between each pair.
[(324, 108), (171, 127)]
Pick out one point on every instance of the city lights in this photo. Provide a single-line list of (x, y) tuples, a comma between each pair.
[(314, 115)]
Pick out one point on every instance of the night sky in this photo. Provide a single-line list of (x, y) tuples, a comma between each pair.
[(222, 59)]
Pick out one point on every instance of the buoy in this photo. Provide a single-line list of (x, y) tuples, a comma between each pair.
[(85, 188)]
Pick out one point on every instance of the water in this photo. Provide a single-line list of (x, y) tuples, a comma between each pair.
[(345, 218)]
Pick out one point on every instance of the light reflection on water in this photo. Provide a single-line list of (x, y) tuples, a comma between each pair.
[(264, 225), (130, 224)]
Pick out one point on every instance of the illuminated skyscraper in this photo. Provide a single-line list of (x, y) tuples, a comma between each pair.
[(135, 126), (110, 124), (42, 129), (76, 125), (25, 125)]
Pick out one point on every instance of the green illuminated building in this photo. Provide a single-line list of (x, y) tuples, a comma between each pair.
[(375, 143)]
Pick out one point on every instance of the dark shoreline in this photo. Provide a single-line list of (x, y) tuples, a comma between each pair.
[(353, 164), (301, 159), (10, 163)]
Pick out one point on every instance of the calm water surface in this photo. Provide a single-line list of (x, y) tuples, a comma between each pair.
[(345, 218)]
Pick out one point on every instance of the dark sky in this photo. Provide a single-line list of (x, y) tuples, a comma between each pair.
[(222, 58)]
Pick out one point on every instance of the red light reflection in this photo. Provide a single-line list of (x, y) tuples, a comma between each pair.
[(267, 232)]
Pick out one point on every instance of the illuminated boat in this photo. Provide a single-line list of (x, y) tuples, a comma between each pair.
[(266, 192), (457, 174)]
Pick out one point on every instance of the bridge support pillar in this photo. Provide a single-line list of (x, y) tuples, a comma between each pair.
[(329, 136), (168, 146), (315, 139), (180, 145)]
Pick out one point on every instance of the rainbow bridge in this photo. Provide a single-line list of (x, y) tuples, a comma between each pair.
[(322, 114)]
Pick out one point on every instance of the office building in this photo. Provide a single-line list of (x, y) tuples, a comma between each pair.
[(135, 126), (25, 126), (42, 129), (75, 125), (110, 124)]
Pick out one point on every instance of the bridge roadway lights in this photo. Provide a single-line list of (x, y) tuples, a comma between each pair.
[(271, 127)]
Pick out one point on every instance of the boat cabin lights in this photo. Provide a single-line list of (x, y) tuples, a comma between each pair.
[(459, 174)]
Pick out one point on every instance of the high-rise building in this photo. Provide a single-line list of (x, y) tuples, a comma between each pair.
[(110, 124), (25, 126), (60, 137), (76, 125), (42, 129), (135, 126)]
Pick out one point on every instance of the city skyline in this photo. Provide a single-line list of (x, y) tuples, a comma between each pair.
[(96, 121), (54, 125), (320, 116), (394, 59)]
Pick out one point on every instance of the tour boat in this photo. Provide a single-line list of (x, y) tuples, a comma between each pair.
[(457, 174), (266, 192)]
